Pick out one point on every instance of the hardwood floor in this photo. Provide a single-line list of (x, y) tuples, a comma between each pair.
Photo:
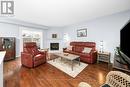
[(46, 75)]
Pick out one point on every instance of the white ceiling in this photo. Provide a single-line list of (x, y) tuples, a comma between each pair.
[(66, 12)]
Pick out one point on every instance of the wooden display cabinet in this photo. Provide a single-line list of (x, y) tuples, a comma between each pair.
[(8, 44)]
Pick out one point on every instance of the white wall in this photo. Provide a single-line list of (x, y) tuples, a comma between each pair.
[(59, 38), (45, 38), (8, 30), (105, 28)]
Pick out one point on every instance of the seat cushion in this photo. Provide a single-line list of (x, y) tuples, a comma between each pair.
[(85, 55), (78, 49), (38, 57)]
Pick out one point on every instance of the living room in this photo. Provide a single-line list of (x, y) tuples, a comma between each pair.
[(103, 29)]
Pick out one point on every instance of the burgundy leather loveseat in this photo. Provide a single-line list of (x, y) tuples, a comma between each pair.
[(78, 47), (31, 56)]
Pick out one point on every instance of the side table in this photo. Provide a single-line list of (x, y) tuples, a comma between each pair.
[(104, 56)]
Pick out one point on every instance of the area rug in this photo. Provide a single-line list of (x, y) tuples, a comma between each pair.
[(65, 66)]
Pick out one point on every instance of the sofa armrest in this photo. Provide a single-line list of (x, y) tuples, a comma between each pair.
[(94, 55), (42, 52), (26, 54), (45, 53), (93, 51), (26, 57)]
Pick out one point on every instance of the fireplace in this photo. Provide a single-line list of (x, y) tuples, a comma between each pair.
[(54, 46)]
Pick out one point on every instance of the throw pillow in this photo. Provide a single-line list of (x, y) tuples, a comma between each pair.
[(87, 50), (69, 48)]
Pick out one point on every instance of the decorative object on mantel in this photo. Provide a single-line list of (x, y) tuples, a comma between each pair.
[(82, 33), (54, 35)]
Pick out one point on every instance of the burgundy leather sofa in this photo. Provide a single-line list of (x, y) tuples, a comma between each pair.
[(77, 48), (31, 56)]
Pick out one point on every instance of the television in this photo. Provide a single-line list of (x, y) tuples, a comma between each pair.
[(125, 39), (125, 43)]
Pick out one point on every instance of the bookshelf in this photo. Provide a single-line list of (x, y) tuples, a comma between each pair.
[(34, 37)]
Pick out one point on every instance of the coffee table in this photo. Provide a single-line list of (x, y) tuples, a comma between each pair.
[(70, 57)]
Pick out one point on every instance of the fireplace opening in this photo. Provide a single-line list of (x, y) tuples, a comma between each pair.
[(54, 46)]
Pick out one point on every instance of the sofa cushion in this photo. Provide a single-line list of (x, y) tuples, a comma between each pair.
[(85, 55), (78, 49), (76, 53), (82, 54), (87, 50)]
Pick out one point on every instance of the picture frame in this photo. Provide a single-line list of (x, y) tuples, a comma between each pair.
[(82, 33), (54, 35)]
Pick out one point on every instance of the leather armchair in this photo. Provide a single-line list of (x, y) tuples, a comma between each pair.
[(31, 56)]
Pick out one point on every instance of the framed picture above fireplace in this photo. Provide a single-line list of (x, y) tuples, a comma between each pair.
[(54, 35), (82, 32)]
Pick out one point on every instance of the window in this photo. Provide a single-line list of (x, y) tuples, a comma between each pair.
[(32, 36)]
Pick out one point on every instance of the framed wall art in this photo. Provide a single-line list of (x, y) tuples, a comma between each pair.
[(82, 33), (54, 35)]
